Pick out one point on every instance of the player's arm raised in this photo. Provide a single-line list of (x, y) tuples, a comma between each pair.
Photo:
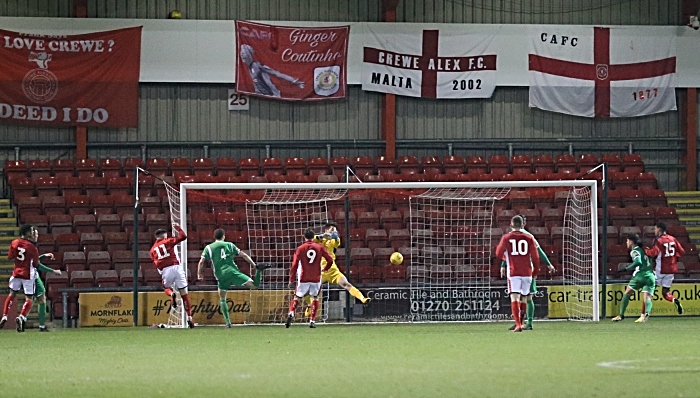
[(181, 235)]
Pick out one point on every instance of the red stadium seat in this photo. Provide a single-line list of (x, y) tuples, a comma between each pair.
[(655, 198), (498, 164), (126, 277), (53, 205), (360, 256), (566, 164), (74, 261), (95, 186), (46, 186), (62, 167), (98, 260), (180, 165), (362, 165), (106, 278), (632, 197), (270, 167), (70, 186), (376, 238), (476, 165), (119, 185), (108, 223), (84, 223), (431, 165), (632, 163), (157, 166), (521, 164), (543, 164), (39, 168), (453, 164), (91, 241), (645, 181), (127, 223), (587, 162), (109, 168), (613, 161), (318, 167), (102, 204), (28, 205), (39, 221), (226, 167), (61, 224), (338, 167), (249, 167), (620, 217), (84, 168), (14, 169), (667, 215), (295, 166)]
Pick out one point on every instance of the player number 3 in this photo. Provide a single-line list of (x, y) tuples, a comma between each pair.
[(518, 247), (311, 254)]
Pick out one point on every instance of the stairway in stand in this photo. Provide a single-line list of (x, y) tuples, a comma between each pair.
[(687, 205)]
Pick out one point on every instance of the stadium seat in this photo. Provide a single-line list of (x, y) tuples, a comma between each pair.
[(127, 223), (557, 236), (62, 168), (318, 167), (126, 277), (382, 256), (565, 164), (60, 224), (270, 167), (667, 215), (180, 165), (521, 164), (106, 278), (108, 223), (109, 168), (368, 220), (519, 200), (295, 166), (431, 165), (151, 277), (145, 241), (587, 162), (498, 164), (203, 221), (533, 217), (376, 238), (362, 165), (632, 163), (645, 181), (82, 279), (543, 164), (624, 231), (618, 254), (98, 260), (453, 164), (228, 221), (649, 232), (46, 186), (39, 221), (399, 238), (552, 218), (224, 167), (620, 217), (632, 197), (249, 167), (95, 186), (39, 168), (503, 218), (22, 187), (394, 274), (386, 166), (432, 254), (52, 205), (70, 186), (156, 221), (679, 232), (391, 220), (360, 256), (119, 185), (157, 166), (74, 261), (91, 241), (613, 161), (14, 169), (655, 198), (476, 165), (338, 167), (410, 255), (86, 168), (124, 204), (84, 223)]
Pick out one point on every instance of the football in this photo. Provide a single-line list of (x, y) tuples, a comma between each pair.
[(396, 258)]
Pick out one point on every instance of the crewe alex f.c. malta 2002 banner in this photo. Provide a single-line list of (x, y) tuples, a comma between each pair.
[(429, 63), (602, 72), (291, 63), (77, 80)]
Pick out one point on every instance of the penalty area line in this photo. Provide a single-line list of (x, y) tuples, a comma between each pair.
[(655, 364)]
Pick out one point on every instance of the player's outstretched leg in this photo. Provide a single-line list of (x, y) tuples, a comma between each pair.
[(343, 282), (666, 291), (292, 309), (6, 308), (21, 320), (259, 268)]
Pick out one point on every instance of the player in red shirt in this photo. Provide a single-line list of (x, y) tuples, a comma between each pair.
[(306, 272), (666, 251), (519, 250), (26, 256), (166, 261)]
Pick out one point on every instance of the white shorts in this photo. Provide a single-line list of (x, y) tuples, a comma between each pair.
[(174, 275), (519, 284), (310, 288), (25, 284), (664, 280)]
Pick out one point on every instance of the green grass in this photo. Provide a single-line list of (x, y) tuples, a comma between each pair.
[(557, 359)]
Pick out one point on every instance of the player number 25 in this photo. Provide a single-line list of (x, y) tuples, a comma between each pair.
[(518, 247), (645, 94), (670, 249), (466, 84), (311, 254)]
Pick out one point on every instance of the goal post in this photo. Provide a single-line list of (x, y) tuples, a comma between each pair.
[(450, 272)]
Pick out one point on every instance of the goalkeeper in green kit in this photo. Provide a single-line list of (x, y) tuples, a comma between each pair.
[(221, 254), (643, 277), (40, 292)]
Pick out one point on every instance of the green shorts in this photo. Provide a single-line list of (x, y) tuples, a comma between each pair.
[(645, 282), (39, 289), (533, 286), (230, 277)]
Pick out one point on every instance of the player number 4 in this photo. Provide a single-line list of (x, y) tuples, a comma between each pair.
[(518, 247), (670, 249), (223, 254), (645, 94)]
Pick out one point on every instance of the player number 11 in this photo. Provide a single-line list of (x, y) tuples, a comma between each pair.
[(645, 94)]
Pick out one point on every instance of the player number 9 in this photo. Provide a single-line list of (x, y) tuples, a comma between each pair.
[(311, 254)]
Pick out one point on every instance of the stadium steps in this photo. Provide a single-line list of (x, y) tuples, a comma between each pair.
[(687, 205)]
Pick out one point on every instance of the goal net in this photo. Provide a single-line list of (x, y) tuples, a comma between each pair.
[(447, 233)]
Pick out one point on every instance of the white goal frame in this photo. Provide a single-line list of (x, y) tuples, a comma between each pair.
[(591, 184)]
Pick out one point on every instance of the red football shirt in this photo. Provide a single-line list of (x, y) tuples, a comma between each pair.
[(519, 251), (307, 262), (665, 252), (163, 250), (26, 256)]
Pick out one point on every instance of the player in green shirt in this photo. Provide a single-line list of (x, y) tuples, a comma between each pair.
[(643, 277), (533, 287), (221, 254), (40, 292)]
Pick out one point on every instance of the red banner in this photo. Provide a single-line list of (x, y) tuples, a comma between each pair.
[(78, 80), (291, 63)]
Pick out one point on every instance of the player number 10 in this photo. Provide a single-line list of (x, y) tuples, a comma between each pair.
[(645, 94), (518, 247)]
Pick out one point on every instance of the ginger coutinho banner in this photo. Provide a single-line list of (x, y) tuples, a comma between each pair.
[(78, 80), (291, 63), (559, 297), (116, 309)]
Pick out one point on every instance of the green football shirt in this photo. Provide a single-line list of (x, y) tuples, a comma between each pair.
[(221, 254)]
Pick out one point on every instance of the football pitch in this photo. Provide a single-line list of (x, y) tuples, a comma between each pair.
[(557, 359)]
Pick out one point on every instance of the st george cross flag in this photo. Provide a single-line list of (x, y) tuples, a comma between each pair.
[(429, 63), (602, 72)]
